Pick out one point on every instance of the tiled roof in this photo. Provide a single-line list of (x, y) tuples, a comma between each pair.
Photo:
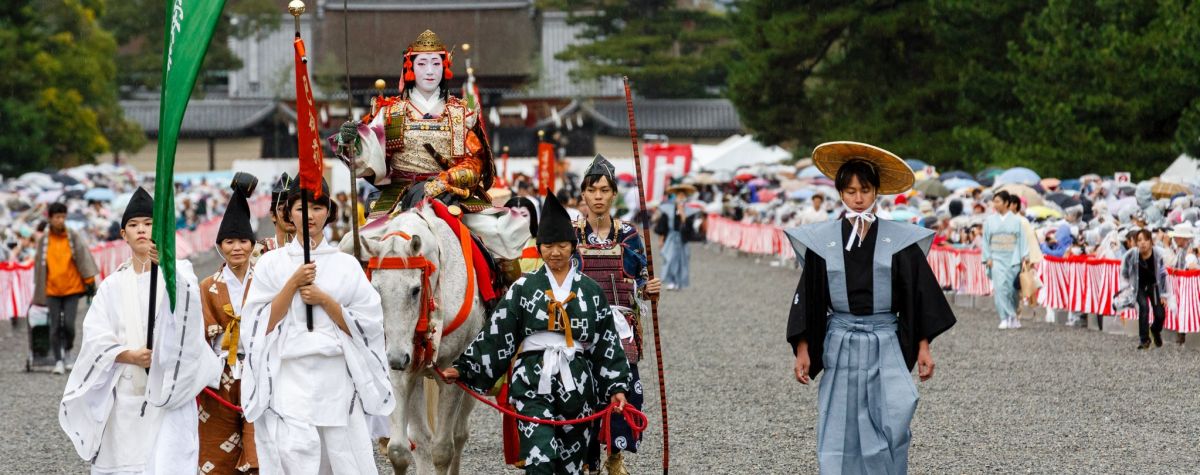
[(204, 116), (427, 5), (673, 117), (553, 76), (503, 40)]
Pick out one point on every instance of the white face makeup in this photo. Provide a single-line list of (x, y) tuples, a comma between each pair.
[(427, 67)]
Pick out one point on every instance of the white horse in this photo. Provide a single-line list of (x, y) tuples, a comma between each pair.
[(414, 233)]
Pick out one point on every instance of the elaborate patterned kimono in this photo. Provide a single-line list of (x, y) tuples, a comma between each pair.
[(558, 371), (863, 313), (396, 146), (1005, 245), (622, 242), (119, 417), (307, 391), (226, 439)]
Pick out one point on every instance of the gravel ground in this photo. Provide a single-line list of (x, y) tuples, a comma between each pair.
[(1042, 399)]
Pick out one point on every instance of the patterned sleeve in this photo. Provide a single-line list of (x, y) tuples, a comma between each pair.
[(490, 354), (607, 355), (634, 254)]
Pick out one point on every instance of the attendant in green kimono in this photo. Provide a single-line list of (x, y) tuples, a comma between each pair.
[(554, 329)]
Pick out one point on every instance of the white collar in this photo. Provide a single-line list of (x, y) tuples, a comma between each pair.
[(561, 291), (294, 248), (425, 104)]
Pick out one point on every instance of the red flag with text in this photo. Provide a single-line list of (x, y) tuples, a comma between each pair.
[(545, 168), (312, 161)]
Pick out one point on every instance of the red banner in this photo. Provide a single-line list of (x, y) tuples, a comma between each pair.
[(664, 162), (545, 168), (312, 163)]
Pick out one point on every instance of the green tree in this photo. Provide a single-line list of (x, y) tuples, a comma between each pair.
[(665, 50), (1103, 86), (1062, 86), (138, 27), (59, 105)]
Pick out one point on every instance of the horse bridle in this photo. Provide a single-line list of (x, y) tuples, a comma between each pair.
[(423, 348)]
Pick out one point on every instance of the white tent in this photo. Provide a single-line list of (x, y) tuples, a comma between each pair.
[(735, 152), (1185, 169)]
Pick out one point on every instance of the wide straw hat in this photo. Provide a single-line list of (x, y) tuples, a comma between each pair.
[(895, 176)]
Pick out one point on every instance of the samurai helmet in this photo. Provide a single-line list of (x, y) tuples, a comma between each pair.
[(427, 42)]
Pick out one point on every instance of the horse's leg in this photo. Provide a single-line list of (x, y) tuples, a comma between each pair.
[(449, 401), (418, 429), (398, 450), (462, 429)]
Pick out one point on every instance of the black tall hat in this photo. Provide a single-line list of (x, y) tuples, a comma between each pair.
[(141, 205), (235, 224), (601, 166), (555, 223), (279, 189)]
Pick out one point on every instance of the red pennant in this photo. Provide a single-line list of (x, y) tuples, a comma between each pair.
[(312, 161)]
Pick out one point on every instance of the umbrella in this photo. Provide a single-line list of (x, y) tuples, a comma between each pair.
[(823, 181), (1063, 200), (1031, 197), (1051, 184), (955, 174), (1020, 175), (792, 185), (903, 214), (1070, 184), (915, 164), (802, 194), (759, 182), (932, 187), (49, 196), (625, 177), (744, 177), (64, 179), (988, 176), (99, 194), (956, 184), (1164, 189), (810, 172), (804, 163), (1042, 212)]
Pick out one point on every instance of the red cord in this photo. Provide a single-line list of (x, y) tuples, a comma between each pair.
[(636, 419), (220, 400)]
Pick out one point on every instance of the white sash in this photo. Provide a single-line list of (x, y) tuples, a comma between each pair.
[(556, 358)]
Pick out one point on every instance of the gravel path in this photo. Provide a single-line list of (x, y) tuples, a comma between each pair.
[(1042, 399)]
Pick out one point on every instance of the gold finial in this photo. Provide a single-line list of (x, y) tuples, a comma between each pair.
[(427, 42), (380, 84), (466, 47), (541, 133), (296, 8), (506, 149), (470, 71)]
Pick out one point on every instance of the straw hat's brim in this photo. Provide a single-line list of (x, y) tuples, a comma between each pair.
[(689, 189), (895, 176)]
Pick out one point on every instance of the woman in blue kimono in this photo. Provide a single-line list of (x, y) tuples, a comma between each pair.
[(865, 310), (677, 226), (1004, 252)]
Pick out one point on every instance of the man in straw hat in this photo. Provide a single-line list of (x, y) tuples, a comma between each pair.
[(867, 290), (677, 225)]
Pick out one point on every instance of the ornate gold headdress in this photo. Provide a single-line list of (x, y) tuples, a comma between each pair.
[(427, 42)]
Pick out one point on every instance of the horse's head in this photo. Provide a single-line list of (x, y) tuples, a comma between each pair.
[(401, 285)]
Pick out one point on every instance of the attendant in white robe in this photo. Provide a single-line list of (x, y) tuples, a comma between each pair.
[(119, 415), (306, 391)]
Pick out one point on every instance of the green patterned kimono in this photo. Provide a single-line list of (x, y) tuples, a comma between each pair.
[(596, 363)]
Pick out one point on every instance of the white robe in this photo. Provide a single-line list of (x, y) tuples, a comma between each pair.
[(311, 388), (120, 418)]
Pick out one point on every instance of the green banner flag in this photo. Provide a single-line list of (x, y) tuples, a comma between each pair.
[(189, 28)]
